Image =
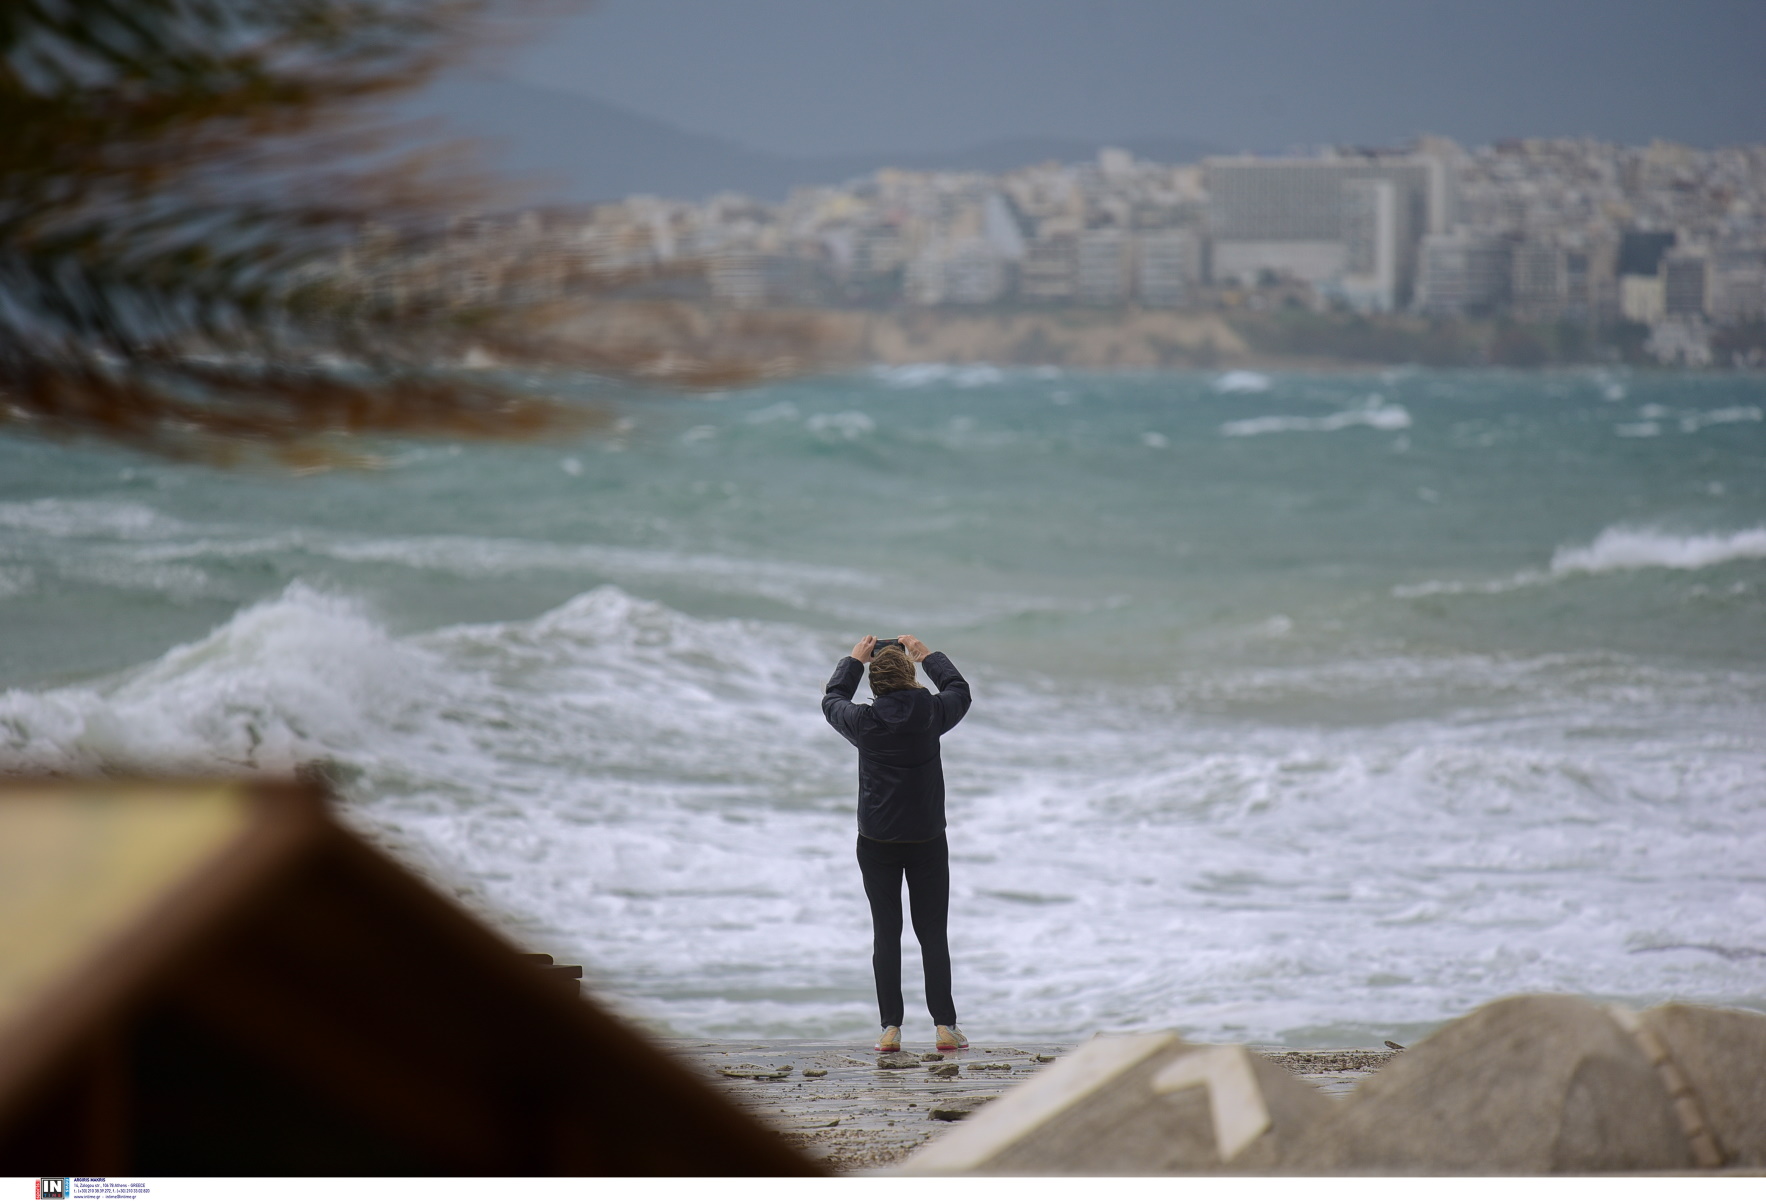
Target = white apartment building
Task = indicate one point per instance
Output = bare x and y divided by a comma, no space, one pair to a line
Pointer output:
1050,270
1376,245
1296,217
1462,273
1103,269
1167,267
1738,285
965,271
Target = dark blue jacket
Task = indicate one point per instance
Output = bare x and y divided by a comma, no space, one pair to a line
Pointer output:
900,777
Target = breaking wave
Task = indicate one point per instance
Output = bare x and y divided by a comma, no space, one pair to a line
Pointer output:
957,375
1242,381
1377,415
303,676
1209,782
658,794
1623,548
1617,548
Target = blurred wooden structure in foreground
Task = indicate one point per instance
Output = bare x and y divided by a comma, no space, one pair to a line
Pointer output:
215,978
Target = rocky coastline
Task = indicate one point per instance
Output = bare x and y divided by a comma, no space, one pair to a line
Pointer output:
1126,338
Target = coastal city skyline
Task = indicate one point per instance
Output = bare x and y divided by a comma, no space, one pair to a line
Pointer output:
1550,231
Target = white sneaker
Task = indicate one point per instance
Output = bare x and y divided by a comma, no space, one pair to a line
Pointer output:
950,1038
890,1039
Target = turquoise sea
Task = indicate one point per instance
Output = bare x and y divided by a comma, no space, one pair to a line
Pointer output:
1309,708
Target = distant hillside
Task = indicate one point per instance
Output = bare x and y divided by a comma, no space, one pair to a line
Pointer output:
576,148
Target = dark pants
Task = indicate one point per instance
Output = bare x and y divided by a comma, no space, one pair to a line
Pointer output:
927,868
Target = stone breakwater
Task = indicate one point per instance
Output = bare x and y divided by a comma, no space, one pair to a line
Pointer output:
834,1101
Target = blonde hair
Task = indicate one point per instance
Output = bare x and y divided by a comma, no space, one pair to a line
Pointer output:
892,671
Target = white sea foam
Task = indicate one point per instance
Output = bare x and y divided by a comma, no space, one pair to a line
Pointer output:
851,425
1616,548
1693,422
87,519
1242,381
1376,414
957,375
1625,548
1521,579
1651,417
298,677
178,581
1312,828
617,781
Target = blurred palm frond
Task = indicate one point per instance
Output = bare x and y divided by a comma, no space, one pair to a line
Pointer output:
178,180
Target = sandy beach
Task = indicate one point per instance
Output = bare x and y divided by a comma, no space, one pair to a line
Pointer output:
833,1102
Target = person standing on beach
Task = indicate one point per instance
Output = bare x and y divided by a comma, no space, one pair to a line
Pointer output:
901,814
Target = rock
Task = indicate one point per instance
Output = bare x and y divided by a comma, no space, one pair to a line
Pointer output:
1523,1086
1041,1058
1721,1056
1394,1046
946,1071
898,1059
932,1057
956,1111
1528,1085
814,1072
748,1071
990,1067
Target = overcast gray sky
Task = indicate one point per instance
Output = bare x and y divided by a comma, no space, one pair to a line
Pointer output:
825,76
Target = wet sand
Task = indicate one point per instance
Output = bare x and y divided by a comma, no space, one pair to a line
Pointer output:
858,1117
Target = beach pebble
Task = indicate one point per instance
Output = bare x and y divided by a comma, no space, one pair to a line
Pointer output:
898,1059
931,1057
956,1111
990,1067
815,1071
1040,1058
944,1071
749,1071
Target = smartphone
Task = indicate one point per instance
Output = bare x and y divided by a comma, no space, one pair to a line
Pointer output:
883,642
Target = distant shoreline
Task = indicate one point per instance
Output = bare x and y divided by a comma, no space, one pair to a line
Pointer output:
1146,339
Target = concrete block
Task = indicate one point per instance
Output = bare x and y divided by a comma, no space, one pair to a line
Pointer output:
1135,1104
1721,1053
1526,1085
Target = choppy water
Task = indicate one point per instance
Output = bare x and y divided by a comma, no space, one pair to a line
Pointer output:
1306,707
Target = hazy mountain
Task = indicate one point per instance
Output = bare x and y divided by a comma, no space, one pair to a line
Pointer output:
578,148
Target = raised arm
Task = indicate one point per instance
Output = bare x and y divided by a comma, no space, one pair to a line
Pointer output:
953,690
837,704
